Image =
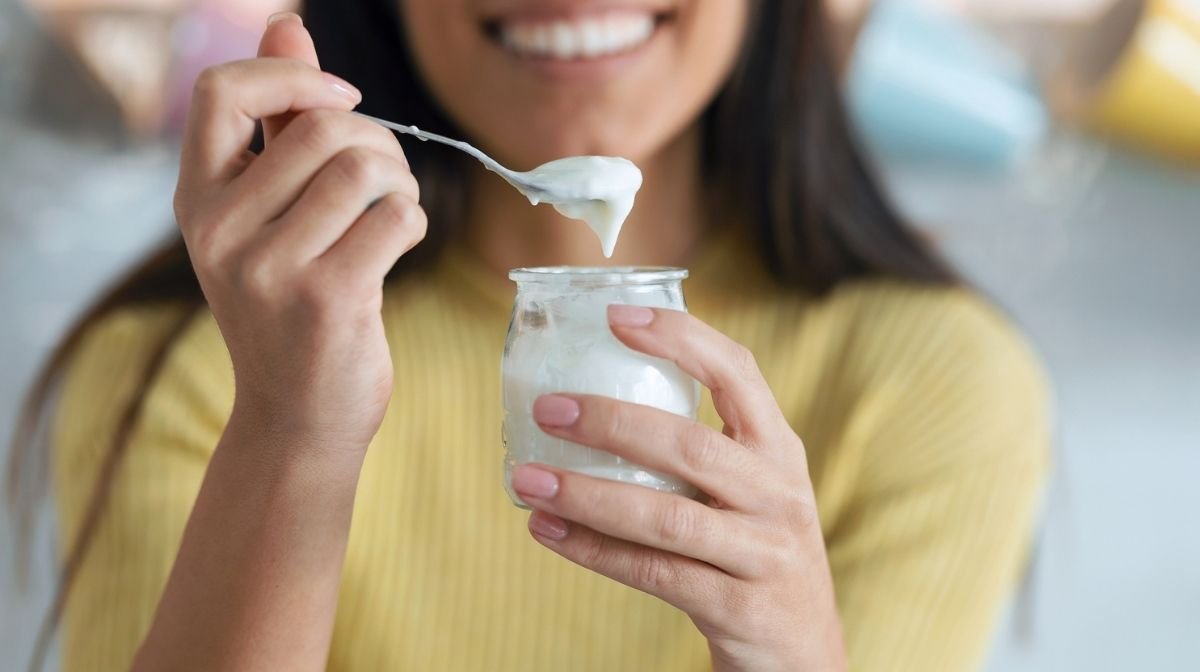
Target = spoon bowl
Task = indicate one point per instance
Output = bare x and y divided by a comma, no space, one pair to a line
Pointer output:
596,189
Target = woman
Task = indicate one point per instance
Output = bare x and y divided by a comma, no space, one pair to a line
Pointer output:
230,441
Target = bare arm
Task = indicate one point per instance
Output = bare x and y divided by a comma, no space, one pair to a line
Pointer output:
291,248
255,584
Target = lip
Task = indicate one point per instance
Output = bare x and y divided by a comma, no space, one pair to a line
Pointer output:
549,10
590,68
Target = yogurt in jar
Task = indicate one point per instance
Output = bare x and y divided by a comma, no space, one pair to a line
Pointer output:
560,341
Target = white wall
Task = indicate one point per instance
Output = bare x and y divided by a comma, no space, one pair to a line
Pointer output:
1097,255
72,214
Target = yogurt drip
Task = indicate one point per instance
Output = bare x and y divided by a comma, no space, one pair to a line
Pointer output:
598,190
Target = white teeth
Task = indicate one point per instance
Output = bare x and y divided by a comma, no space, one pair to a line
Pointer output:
565,44
594,40
586,37
541,39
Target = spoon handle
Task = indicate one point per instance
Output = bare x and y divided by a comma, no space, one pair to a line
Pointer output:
486,160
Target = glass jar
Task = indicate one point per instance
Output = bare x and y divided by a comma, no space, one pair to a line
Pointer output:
559,340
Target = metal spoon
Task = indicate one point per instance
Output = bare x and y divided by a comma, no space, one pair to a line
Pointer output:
598,190
526,183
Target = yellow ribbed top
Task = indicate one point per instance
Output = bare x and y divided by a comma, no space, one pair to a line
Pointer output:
923,411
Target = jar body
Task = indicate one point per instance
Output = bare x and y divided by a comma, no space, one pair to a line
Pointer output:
559,340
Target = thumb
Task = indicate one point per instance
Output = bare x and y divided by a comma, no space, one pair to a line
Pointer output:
285,37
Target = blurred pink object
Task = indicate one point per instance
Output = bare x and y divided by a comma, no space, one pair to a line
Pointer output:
145,54
212,32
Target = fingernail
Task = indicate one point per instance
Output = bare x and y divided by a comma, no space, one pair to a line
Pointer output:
343,87
545,525
552,410
530,481
284,16
630,316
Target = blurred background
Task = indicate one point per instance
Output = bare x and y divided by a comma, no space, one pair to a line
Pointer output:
1052,149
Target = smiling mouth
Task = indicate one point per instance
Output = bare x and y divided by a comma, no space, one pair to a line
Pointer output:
576,38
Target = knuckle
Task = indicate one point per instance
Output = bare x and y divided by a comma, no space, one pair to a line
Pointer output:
315,296
410,218
181,205
203,248
376,133
596,553
618,420
653,571
744,362
257,275
317,128
406,221
377,136
192,225
355,165
775,554
204,233
792,500
700,451
795,449
677,523
212,84
410,185
391,208
802,509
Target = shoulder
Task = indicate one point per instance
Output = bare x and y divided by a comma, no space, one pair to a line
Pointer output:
940,377
168,359
123,343
902,325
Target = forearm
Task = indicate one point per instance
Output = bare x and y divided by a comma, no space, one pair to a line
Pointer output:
255,583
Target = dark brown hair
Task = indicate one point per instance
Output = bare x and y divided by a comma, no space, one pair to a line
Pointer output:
777,147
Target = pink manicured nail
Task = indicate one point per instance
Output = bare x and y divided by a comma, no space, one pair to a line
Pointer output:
343,87
530,481
630,316
552,410
284,16
545,525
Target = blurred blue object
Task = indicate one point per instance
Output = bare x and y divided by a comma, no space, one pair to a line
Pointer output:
924,85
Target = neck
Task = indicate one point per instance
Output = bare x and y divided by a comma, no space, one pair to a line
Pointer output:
667,220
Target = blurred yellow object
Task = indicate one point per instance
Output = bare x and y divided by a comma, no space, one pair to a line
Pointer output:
1151,96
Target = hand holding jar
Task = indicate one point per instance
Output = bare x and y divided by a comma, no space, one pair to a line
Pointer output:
748,564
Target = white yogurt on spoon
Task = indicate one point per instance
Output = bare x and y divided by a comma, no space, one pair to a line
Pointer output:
598,190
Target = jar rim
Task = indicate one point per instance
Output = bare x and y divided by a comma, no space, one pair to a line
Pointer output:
598,275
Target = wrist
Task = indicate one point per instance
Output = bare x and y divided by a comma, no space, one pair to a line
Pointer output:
817,652
765,662
283,442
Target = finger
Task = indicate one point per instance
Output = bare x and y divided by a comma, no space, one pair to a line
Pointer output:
285,37
275,179
688,584
740,393
656,439
339,195
385,232
229,99
638,514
